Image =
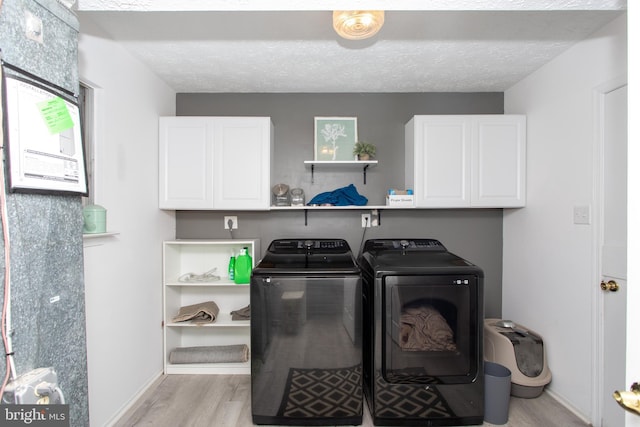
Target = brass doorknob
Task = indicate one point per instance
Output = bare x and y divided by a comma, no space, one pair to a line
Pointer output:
611,285
629,400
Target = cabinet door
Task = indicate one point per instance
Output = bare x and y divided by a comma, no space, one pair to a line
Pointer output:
441,158
242,153
185,158
498,165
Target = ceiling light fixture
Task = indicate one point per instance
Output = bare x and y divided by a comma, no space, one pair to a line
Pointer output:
357,24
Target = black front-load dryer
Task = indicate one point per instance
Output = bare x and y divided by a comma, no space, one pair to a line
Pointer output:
422,339
306,334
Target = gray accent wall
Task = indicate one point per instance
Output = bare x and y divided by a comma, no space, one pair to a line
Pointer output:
475,234
45,231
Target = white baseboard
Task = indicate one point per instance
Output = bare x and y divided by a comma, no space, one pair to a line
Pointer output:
133,400
567,405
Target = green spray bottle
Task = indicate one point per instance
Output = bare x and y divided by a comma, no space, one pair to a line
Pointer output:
232,267
242,274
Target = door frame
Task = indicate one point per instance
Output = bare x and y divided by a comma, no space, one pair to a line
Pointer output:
597,311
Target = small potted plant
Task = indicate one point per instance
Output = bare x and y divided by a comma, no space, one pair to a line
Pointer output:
364,150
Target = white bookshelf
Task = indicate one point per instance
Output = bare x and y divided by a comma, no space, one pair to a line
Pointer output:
199,256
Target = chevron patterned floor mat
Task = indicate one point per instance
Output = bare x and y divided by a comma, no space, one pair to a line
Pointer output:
323,393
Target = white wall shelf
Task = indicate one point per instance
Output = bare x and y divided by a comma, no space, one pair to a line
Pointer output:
96,235
328,164
306,209
350,207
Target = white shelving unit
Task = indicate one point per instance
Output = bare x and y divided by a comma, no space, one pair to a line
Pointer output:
199,256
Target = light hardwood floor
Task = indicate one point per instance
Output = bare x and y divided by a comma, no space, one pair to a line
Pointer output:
225,401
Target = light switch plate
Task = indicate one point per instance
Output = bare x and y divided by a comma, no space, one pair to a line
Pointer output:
582,215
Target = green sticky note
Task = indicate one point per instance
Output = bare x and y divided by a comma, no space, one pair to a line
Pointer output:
56,115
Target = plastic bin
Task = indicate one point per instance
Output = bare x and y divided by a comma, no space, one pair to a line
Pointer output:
497,393
520,350
95,219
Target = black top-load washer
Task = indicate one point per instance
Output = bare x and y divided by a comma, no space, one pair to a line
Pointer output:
306,336
422,340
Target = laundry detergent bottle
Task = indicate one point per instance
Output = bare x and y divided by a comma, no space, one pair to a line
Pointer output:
242,273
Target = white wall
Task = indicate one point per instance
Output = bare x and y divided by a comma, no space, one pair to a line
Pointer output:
123,274
548,269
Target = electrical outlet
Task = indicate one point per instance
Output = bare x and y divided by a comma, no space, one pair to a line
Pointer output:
375,218
234,222
33,27
24,389
366,220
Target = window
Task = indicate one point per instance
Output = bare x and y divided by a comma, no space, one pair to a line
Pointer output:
86,103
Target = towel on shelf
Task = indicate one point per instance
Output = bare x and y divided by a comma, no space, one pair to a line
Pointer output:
205,312
241,314
424,329
344,196
238,353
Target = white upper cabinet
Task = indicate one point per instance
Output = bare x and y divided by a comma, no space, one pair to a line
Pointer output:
242,165
466,160
215,162
498,167
186,160
437,156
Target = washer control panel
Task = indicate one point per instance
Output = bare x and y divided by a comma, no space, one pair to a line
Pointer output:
309,245
404,244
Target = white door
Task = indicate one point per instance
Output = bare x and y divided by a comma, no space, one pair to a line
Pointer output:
613,253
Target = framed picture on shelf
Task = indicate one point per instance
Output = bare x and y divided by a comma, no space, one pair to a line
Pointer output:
334,138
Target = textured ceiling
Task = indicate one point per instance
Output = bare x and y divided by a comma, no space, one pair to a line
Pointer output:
241,46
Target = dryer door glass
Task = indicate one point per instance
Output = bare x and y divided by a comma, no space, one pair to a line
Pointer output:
428,329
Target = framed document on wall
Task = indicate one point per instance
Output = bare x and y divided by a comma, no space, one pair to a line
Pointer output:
43,138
